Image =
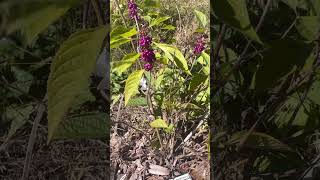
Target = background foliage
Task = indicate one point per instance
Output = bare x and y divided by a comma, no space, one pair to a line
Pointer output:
265,118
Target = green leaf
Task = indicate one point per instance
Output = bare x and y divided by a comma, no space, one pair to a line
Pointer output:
70,70
130,33
23,81
147,18
308,27
121,66
118,42
138,101
314,94
169,129
132,85
276,162
171,51
84,126
83,96
204,59
159,78
202,18
228,55
115,98
158,20
121,35
314,6
291,3
197,79
18,116
258,140
280,59
152,3
169,27
235,14
159,123
34,16
284,115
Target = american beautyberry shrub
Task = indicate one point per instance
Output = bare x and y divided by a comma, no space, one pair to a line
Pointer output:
154,55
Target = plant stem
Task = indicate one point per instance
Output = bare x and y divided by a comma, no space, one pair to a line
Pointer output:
97,11
159,138
149,99
126,25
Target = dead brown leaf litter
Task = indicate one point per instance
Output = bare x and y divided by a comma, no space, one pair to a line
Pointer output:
135,151
60,160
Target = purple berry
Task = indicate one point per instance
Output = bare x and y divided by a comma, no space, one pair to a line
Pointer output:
148,66
148,55
199,46
133,9
145,41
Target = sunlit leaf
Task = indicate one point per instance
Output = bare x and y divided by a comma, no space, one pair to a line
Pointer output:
159,123
202,18
158,20
121,66
171,51
132,85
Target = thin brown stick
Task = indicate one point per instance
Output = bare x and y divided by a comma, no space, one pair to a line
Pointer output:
118,113
32,139
97,11
85,14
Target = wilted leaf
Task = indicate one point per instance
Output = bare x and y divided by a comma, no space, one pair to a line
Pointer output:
158,170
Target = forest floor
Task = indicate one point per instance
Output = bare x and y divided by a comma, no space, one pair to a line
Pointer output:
59,160
135,153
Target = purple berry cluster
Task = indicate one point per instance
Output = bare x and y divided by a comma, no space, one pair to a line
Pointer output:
145,41
133,9
199,45
147,54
